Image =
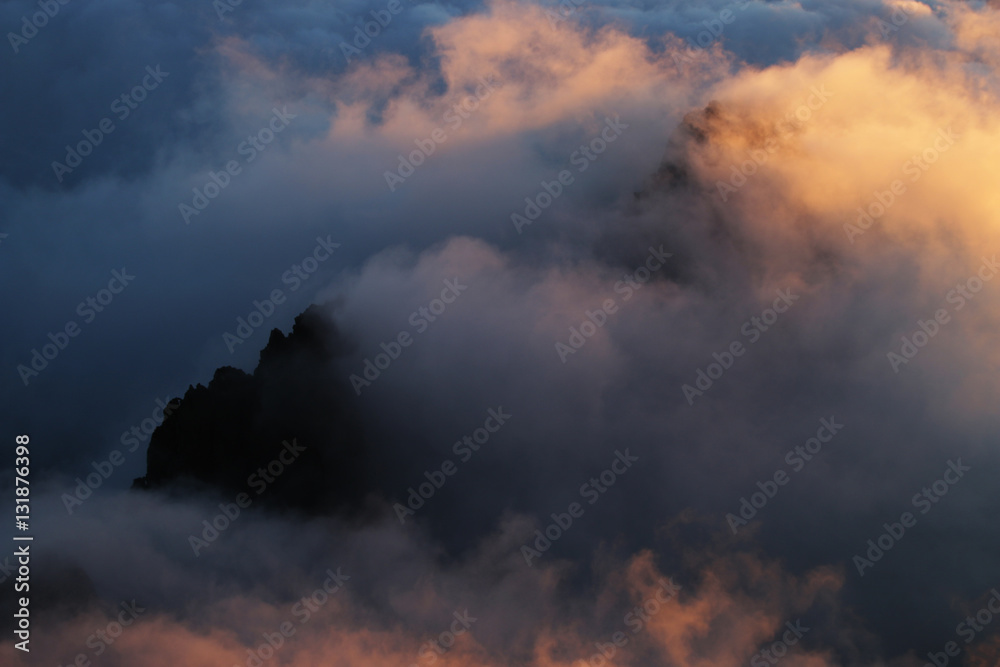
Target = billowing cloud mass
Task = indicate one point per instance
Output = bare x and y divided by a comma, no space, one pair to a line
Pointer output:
652,334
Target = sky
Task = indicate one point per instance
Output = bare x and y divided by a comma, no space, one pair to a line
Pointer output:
666,330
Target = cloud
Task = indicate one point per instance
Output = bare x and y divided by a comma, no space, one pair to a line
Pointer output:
722,608
746,161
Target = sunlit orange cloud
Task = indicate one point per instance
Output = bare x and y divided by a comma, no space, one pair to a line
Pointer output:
790,178
976,34
557,70
829,160
887,111
548,72
736,605
885,108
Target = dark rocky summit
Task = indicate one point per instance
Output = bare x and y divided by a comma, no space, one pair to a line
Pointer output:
245,432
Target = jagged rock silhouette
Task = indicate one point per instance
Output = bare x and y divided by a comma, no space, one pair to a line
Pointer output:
220,437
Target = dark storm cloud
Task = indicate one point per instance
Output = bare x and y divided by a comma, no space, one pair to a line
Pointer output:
72,74
73,71
567,422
